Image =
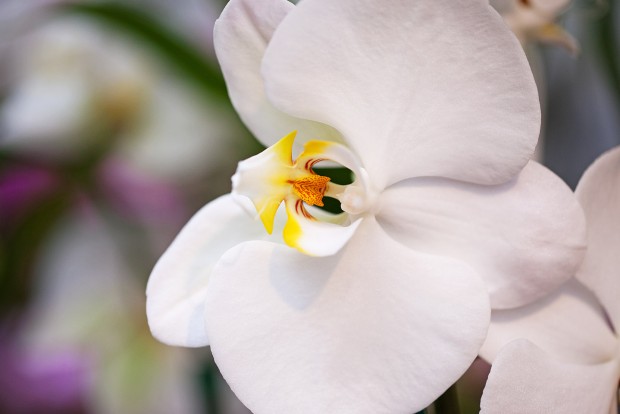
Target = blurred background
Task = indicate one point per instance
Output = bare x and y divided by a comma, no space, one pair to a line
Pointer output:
115,127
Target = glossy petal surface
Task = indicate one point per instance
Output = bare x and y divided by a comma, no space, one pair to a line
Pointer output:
569,324
524,379
178,284
599,193
314,237
525,237
241,36
438,87
377,328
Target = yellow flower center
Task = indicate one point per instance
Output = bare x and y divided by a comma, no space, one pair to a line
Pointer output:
311,189
273,177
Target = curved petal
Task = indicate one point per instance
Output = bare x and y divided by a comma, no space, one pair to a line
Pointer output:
525,237
410,82
241,35
178,284
314,237
524,379
375,328
569,324
599,194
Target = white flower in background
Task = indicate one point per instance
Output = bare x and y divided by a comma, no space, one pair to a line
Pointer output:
76,87
568,360
437,124
88,301
535,20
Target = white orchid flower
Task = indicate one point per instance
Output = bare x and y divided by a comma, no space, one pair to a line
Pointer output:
568,358
432,105
535,20
76,84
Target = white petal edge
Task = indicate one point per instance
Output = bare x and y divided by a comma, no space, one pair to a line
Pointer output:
569,324
376,328
314,237
598,192
178,283
524,379
525,238
410,82
241,35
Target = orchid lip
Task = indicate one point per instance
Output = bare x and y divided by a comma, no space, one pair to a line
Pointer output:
310,188
272,177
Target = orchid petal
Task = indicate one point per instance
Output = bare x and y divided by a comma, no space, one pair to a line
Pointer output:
525,237
178,284
376,328
241,35
409,82
314,237
599,194
569,324
264,179
524,379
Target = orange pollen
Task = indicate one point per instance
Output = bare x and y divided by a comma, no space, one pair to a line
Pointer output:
311,189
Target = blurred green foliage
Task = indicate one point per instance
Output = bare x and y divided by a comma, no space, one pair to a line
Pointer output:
607,36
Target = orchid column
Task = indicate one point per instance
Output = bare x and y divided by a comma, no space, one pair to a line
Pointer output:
432,106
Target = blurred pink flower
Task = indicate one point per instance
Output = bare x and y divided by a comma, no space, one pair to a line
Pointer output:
34,384
22,187
88,298
139,196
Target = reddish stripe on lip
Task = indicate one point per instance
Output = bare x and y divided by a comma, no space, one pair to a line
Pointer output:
299,209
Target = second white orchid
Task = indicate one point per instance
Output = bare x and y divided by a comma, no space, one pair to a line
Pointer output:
562,354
